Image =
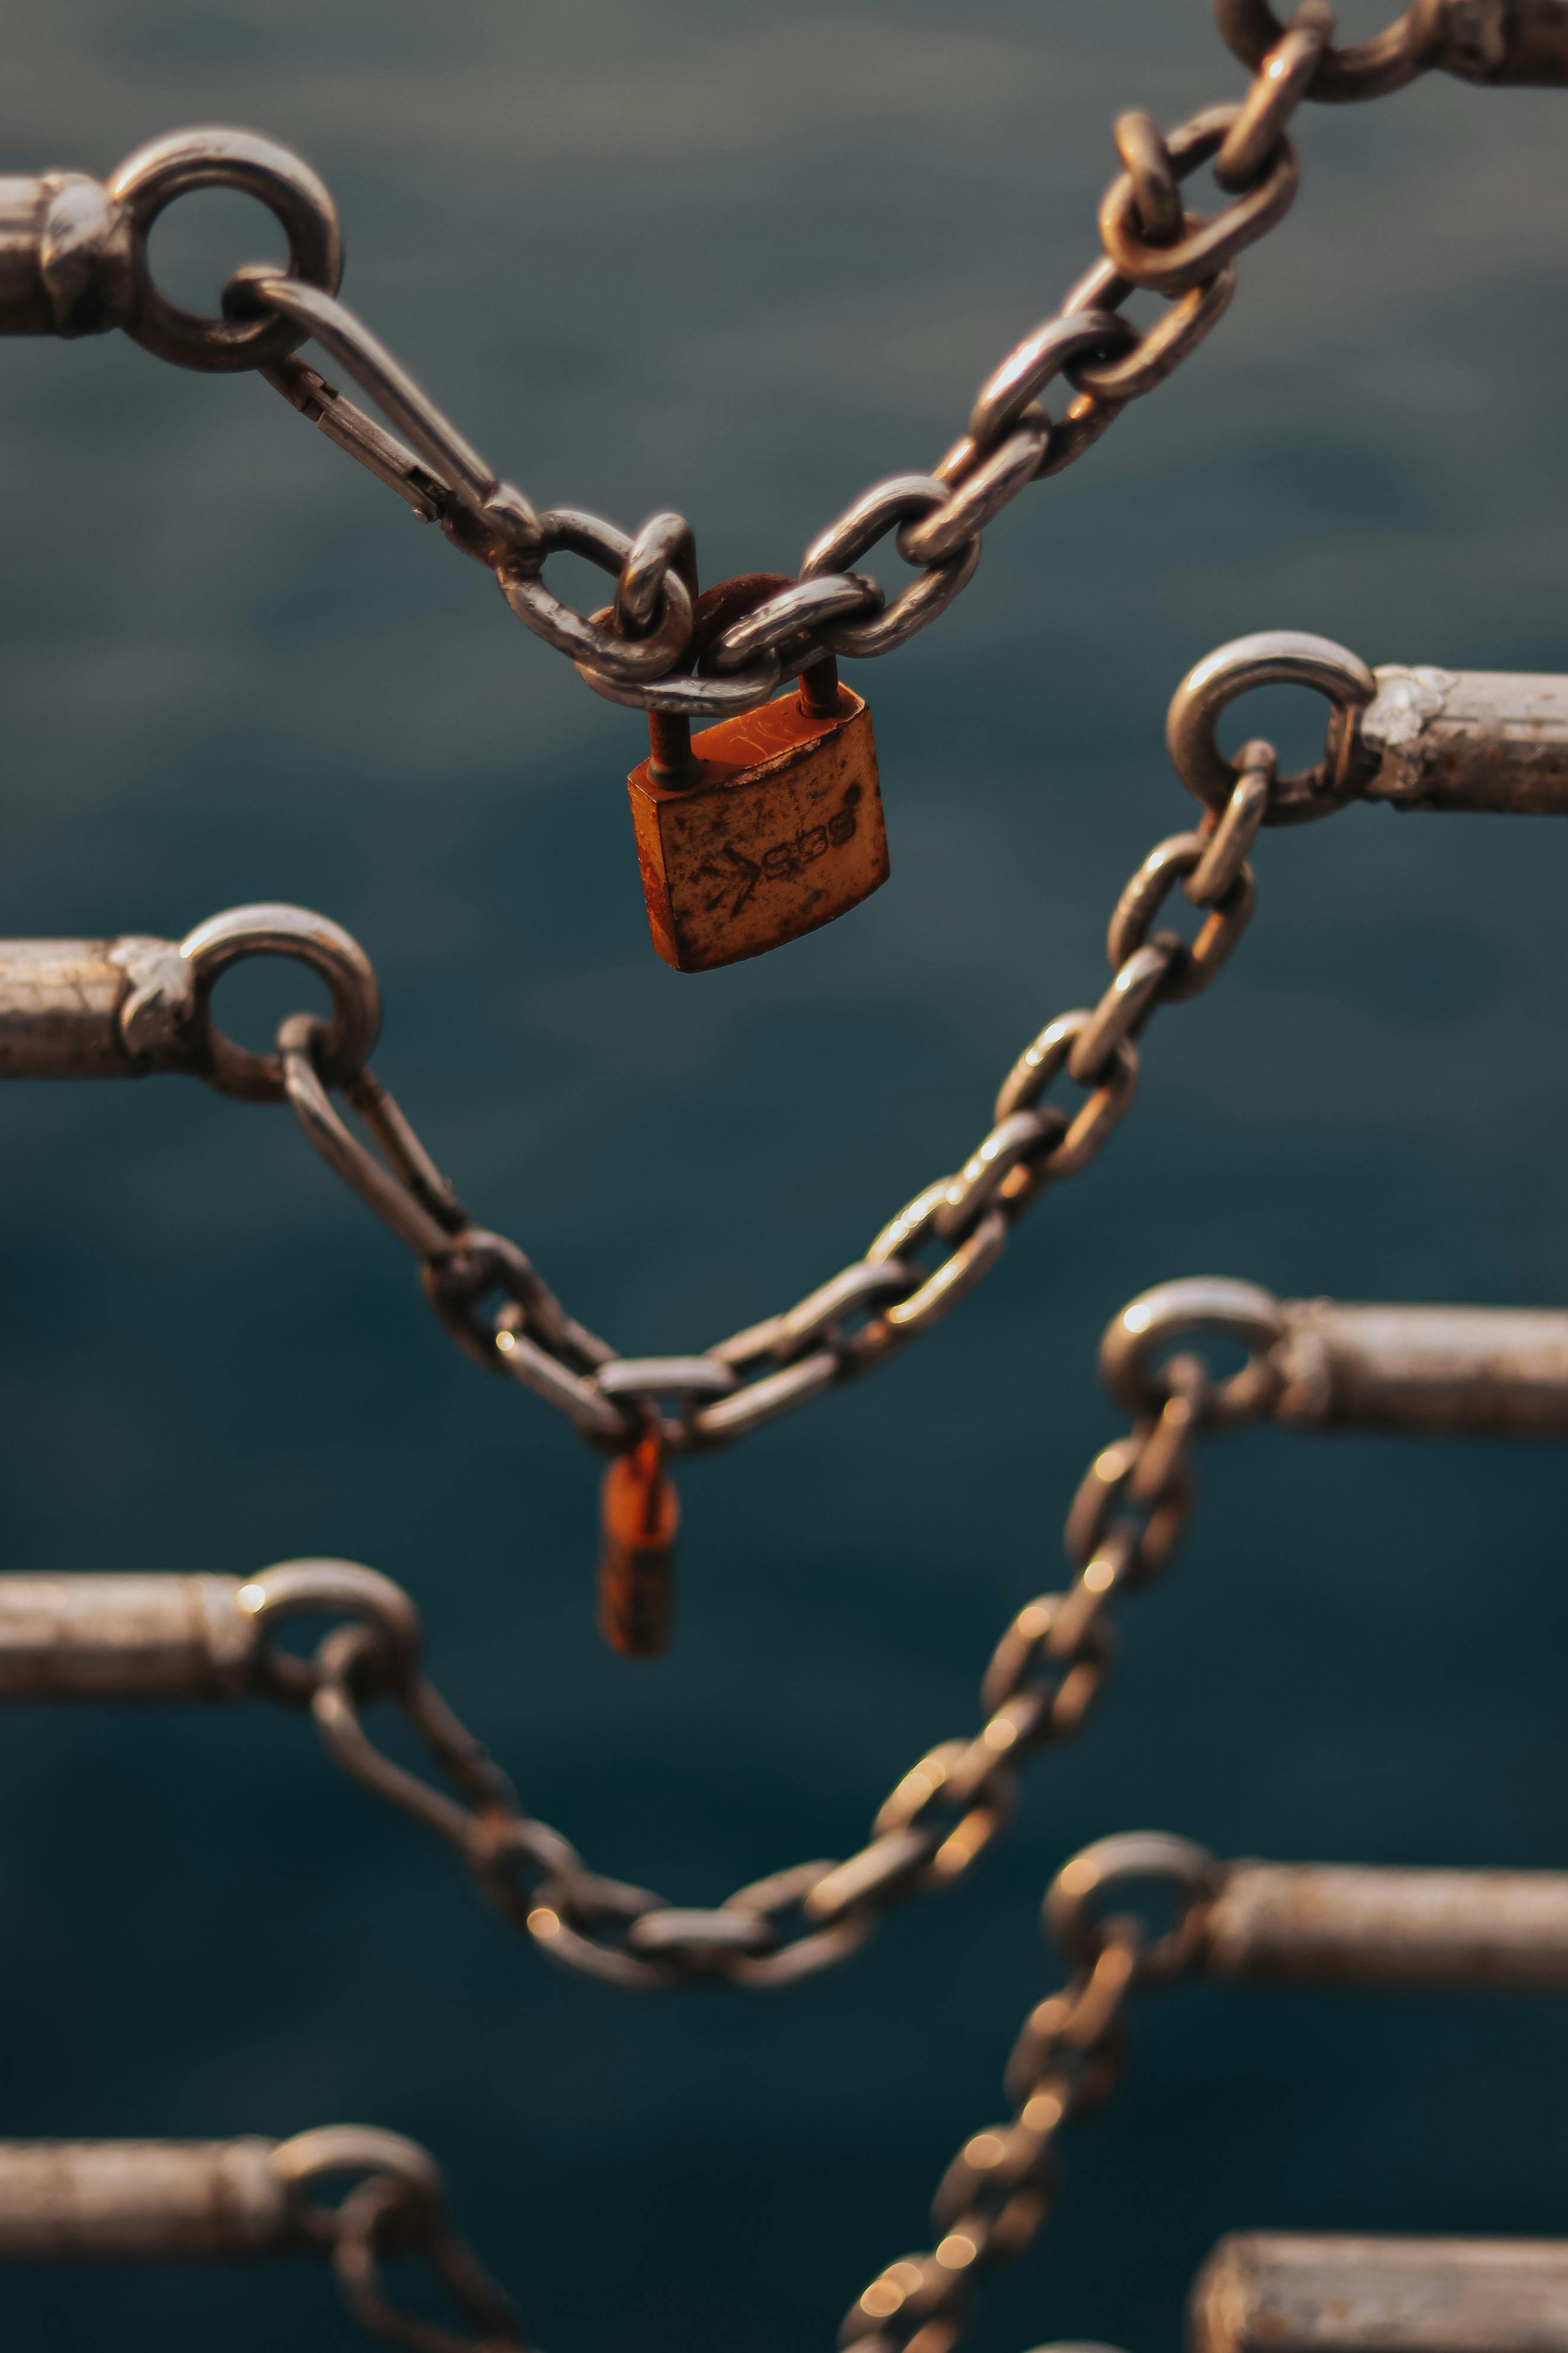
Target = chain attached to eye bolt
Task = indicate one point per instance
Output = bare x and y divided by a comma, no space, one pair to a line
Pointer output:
856,1320
1044,1676
85,250
361,2198
73,260
1412,737
156,1014
1067,2062
355,2196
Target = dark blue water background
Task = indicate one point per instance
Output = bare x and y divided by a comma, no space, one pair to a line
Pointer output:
741,259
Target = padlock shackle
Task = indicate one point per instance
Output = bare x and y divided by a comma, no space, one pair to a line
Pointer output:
715,610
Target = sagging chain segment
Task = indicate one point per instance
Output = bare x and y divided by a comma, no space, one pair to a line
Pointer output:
1139,1910
73,260
925,1259
1307,1364
217,1638
78,258
936,1822
1413,737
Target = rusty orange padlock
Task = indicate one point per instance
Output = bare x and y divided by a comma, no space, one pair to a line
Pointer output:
761,828
641,1511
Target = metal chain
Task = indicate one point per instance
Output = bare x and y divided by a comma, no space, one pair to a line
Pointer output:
861,1316
395,2205
1067,2062
373,2223
639,648
998,2190
360,2196
1133,1503
1044,1674
633,651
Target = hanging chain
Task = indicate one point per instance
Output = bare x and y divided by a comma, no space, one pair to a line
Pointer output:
1125,1522
861,1316
633,650
86,247
1067,2062
998,2192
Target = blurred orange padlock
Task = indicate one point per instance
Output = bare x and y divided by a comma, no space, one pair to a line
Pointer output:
641,1511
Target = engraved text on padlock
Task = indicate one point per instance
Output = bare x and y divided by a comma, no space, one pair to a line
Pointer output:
778,830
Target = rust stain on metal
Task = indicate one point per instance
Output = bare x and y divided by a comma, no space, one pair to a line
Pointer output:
779,830
641,1513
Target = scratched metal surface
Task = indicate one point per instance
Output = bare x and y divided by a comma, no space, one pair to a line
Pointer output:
739,259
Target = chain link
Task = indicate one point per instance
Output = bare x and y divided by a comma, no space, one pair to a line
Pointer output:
639,648
1371,68
373,2223
1011,440
998,2190
1066,2062
1134,1501
1043,1678
937,1248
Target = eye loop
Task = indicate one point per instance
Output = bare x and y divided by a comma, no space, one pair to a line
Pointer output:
1272,657
335,1588
310,939
1173,1312
1086,1890
150,180
331,2152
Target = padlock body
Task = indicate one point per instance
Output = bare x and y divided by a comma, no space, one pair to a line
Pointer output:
634,1596
779,830
640,1511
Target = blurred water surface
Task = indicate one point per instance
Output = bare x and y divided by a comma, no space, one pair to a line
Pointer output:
739,259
